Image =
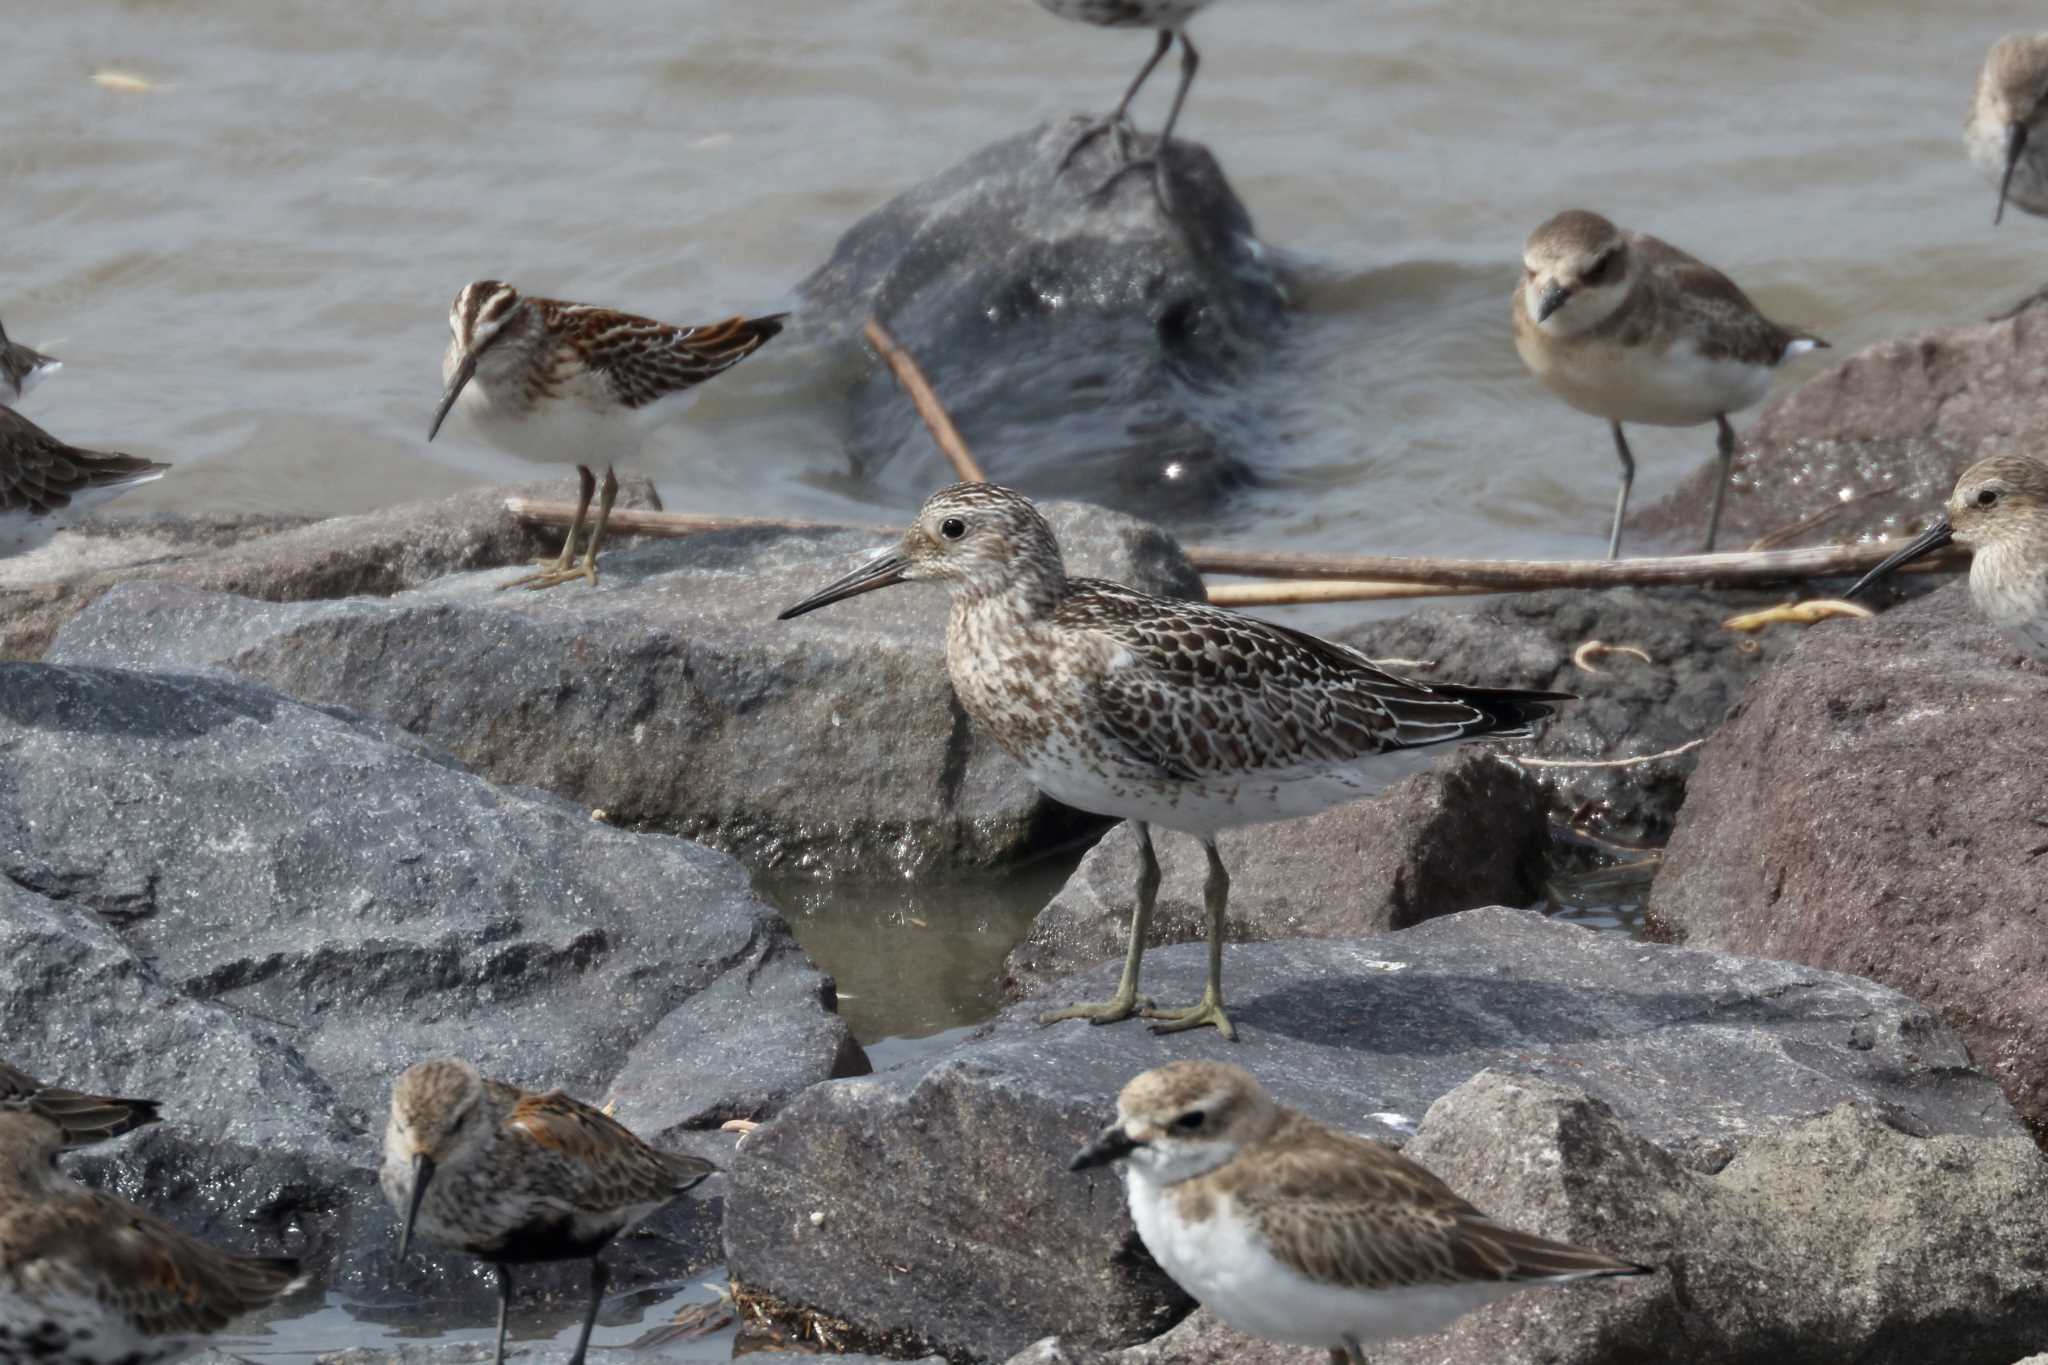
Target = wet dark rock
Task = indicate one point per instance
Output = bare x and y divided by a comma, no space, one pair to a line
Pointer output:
479,1353
1873,446
1876,805
929,1204
1469,831
260,911
670,697
1078,341
280,561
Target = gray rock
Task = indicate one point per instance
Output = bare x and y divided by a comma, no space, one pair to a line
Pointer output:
1383,863
669,696
260,911
930,1205
1079,342
1876,805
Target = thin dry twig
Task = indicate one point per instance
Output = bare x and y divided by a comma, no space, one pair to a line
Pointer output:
936,419
1684,748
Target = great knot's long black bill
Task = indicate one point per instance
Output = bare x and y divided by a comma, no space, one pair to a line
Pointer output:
1555,296
1111,1144
879,572
422,1172
2015,143
1934,538
464,372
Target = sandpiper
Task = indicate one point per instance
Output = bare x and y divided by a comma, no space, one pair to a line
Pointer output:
46,485
21,369
2010,106
513,1177
1630,328
1158,711
1170,19
88,1279
1999,511
1295,1232
574,383
84,1119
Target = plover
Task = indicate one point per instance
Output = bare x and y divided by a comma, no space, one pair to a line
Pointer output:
1999,511
2010,106
513,1177
1170,19
21,369
1295,1232
46,485
1630,328
84,1119
1157,711
572,383
88,1279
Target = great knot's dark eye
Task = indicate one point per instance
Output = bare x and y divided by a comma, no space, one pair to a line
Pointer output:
952,528
1191,1121
1603,269
1987,497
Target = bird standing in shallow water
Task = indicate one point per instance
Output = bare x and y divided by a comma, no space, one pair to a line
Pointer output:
513,1177
1170,19
570,382
1292,1231
2008,110
1158,711
1630,328
1999,511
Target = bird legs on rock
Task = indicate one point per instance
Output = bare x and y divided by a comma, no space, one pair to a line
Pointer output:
1628,479
1347,1354
1162,149
1126,1001
564,568
1724,447
1119,122
504,1307
1216,900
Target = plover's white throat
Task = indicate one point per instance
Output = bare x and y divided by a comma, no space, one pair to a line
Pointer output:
1295,1232
1169,18
21,369
1630,328
2007,114
1999,511
88,1279
571,383
47,485
513,1177
1157,711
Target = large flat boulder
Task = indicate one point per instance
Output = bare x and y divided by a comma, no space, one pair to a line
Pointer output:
930,1204
669,696
1876,805
260,911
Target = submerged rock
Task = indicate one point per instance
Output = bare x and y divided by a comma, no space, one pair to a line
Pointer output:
1876,805
1077,339
259,912
670,697
930,1204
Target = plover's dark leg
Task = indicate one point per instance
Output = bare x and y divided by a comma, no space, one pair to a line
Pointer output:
599,1278
1216,899
1119,121
1724,447
504,1308
1628,478
1162,150
1350,1353
1127,1001
552,571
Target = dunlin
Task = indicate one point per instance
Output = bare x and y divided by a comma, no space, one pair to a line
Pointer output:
1999,511
46,485
1630,328
21,369
84,1119
571,383
1157,711
2010,106
513,1177
88,1279
1295,1232
1169,18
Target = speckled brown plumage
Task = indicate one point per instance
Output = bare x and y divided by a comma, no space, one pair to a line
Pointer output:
41,475
84,1119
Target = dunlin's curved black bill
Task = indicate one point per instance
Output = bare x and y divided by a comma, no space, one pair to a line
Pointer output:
422,1172
1935,537
879,572
2015,144
1111,1144
464,372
